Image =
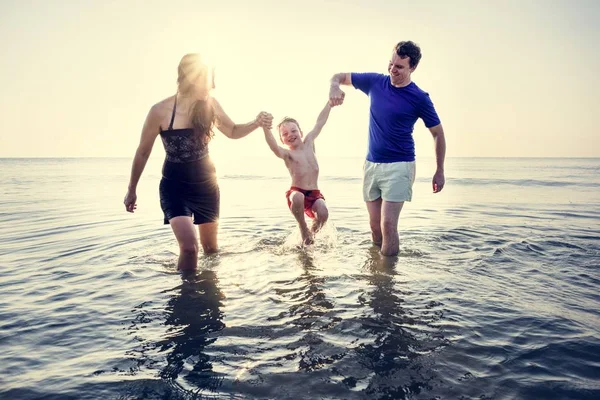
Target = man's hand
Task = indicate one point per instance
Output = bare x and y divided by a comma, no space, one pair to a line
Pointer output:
130,201
336,95
438,181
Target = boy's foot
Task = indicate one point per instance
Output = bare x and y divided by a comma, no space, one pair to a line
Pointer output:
315,227
307,237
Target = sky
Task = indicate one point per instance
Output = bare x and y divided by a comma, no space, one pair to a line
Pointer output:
508,78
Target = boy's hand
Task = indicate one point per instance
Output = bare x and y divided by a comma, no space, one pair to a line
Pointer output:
264,120
336,96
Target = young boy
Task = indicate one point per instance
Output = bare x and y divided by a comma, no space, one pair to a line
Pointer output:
304,196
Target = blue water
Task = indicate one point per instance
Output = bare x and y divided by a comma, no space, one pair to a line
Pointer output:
495,293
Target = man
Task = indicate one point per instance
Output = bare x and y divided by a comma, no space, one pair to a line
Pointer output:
389,171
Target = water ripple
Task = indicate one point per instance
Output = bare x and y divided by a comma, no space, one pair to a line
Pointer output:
491,296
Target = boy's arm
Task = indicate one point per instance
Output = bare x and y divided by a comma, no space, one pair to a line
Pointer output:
321,120
278,150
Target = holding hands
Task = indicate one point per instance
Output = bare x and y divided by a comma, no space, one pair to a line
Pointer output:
336,96
264,120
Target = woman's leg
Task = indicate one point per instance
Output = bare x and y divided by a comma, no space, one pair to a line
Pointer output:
208,237
184,231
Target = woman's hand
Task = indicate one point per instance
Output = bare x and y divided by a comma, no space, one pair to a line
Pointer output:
264,120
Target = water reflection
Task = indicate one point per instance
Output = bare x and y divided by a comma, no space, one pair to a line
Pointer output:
314,303
193,314
403,332
192,317
310,314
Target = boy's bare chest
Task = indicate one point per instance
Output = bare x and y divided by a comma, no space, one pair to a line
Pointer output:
303,159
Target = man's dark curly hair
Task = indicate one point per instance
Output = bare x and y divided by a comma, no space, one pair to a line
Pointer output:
409,49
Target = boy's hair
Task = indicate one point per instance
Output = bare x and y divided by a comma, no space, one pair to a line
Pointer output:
409,49
286,120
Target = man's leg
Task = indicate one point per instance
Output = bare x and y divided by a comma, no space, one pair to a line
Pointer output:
374,208
390,213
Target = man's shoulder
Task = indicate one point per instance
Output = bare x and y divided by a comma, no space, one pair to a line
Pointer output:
368,75
416,89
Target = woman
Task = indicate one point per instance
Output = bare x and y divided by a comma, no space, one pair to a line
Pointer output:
188,188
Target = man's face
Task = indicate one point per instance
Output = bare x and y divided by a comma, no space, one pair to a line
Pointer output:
290,134
400,70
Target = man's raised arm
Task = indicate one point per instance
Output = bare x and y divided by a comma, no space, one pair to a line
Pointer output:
336,95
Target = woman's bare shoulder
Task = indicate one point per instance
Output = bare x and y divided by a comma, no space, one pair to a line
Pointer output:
160,113
165,105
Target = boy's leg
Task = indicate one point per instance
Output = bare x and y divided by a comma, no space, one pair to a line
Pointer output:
319,208
297,208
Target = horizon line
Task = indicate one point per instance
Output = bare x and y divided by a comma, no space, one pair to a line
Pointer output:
268,156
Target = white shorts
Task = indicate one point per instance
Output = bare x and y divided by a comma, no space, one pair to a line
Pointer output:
390,181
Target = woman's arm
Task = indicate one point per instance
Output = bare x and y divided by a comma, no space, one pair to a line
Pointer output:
238,131
149,133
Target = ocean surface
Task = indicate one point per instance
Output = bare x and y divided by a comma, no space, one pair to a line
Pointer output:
495,293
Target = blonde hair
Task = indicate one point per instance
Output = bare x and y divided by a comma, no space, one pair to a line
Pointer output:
190,71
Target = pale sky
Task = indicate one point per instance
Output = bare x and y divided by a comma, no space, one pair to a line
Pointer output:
508,78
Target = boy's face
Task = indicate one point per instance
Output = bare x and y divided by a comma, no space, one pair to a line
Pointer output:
290,134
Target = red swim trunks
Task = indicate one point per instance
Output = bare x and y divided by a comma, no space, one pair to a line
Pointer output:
310,196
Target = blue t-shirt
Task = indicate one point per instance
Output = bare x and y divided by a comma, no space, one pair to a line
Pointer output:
393,114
